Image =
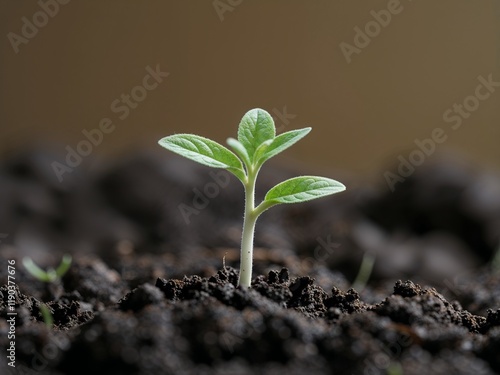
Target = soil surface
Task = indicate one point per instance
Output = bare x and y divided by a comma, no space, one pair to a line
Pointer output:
155,246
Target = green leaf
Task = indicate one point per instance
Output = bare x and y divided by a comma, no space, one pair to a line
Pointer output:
36,271
301,189
64,266
256,127
239,149
262,149
282,142
204,151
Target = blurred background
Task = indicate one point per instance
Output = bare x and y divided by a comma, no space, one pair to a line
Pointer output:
387,86
403,97
366,105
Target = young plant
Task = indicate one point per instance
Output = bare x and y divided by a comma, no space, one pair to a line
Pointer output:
49,277
51,274
257,142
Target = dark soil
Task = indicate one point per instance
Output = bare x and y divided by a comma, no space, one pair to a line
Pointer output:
150,293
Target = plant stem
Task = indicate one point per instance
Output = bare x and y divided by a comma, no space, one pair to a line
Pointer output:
364,272
247,236
47,315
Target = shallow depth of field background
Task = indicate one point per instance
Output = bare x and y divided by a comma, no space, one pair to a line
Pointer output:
274,55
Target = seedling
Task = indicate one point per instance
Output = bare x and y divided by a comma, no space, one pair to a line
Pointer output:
365,270
51,274
257,142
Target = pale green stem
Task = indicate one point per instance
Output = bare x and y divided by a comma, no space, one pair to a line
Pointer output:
247,237
251,215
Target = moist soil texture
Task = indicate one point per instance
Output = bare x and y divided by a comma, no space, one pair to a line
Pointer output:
153,284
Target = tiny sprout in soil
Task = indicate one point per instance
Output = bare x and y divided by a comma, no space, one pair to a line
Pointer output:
51,274
257,142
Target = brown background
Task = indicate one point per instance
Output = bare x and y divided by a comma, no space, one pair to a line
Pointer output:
268,54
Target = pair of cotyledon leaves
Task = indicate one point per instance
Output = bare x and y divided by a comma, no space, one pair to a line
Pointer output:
257,142
51,274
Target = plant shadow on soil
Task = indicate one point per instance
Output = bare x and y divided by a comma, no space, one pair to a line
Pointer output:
149,293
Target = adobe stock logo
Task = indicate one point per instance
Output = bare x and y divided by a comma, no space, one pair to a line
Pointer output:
223,6
456,115
325,249
363,36
122,107
40,19
202,198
